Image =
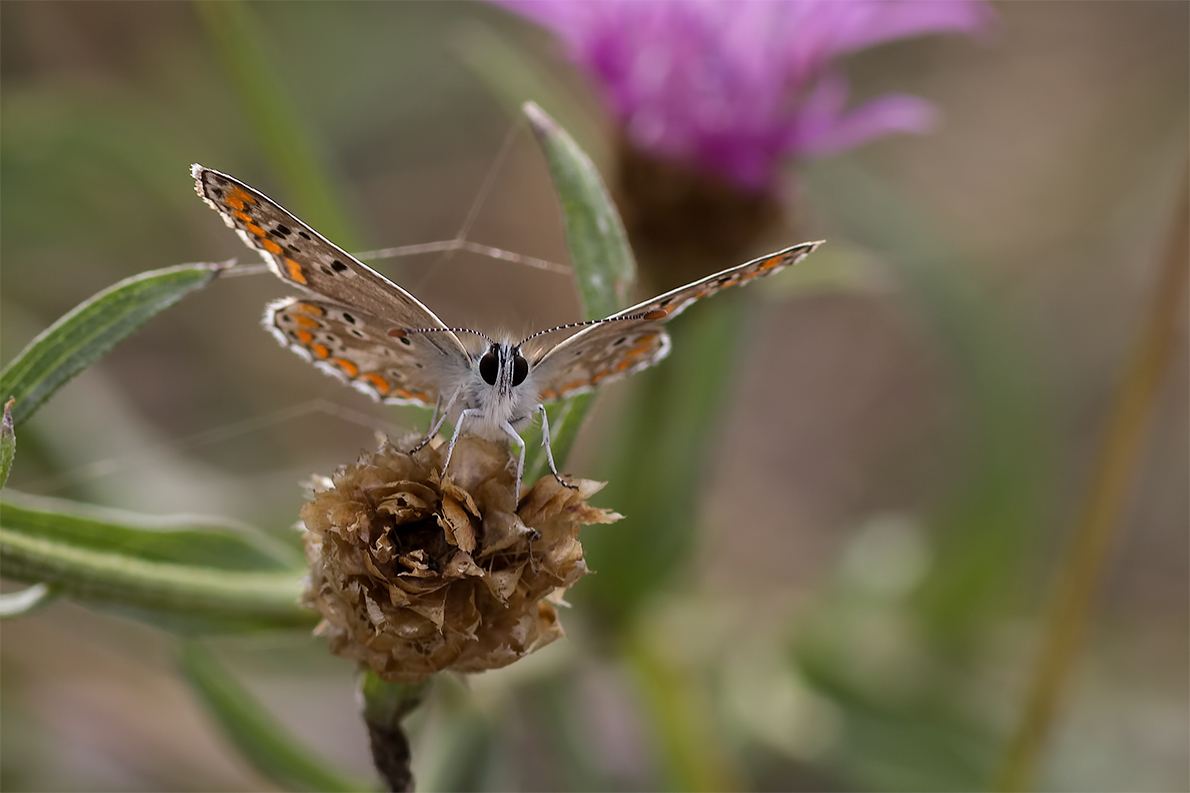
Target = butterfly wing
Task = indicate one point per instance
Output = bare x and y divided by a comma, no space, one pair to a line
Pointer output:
355,347
612,350
344,330
300,256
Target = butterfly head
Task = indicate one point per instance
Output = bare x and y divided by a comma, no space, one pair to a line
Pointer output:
503,367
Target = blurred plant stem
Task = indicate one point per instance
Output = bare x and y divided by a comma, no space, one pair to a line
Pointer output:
280,130
1106,495
691,748
656,468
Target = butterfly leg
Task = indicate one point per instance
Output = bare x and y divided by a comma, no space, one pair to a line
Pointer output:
549,452
466,414
520,466
436,423
434,418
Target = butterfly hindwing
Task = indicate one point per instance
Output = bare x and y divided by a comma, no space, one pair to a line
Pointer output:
611,350
355,347
304,258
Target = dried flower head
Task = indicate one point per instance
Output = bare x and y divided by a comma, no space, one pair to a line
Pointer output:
414,574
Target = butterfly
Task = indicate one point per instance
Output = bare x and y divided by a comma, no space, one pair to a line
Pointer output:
357,325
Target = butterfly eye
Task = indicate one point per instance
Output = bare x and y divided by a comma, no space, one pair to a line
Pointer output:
520,369
489,367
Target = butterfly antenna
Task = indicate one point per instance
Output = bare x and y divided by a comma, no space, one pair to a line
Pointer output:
400,333
652,316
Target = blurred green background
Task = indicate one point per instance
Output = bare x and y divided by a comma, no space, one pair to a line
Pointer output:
906,439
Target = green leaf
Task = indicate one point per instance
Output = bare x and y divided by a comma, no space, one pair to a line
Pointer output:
260,739
26,601
189,580
8,443
93,328
603,264
599,251
196,540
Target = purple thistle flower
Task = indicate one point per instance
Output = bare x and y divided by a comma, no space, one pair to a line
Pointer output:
735,87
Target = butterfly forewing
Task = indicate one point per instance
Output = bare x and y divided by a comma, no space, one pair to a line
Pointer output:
612,350
304,258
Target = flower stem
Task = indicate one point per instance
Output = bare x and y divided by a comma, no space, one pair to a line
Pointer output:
1097,523
385,706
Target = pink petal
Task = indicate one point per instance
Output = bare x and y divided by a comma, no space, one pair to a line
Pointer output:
881,116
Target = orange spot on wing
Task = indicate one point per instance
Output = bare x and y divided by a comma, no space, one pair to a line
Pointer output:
308,308
233,202
624,364
403,394
347,366
304,336
548,394
641,348
572,386
295,271
255,229
239,193
301,320
381,384
319,350
771,262
244,216
270,246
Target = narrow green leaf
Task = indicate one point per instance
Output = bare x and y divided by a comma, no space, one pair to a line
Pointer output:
26,601
195,540
8,443
599,251
184,579
93,328
260,739
603,264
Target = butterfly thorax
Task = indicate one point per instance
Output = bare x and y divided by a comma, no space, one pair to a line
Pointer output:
500,386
